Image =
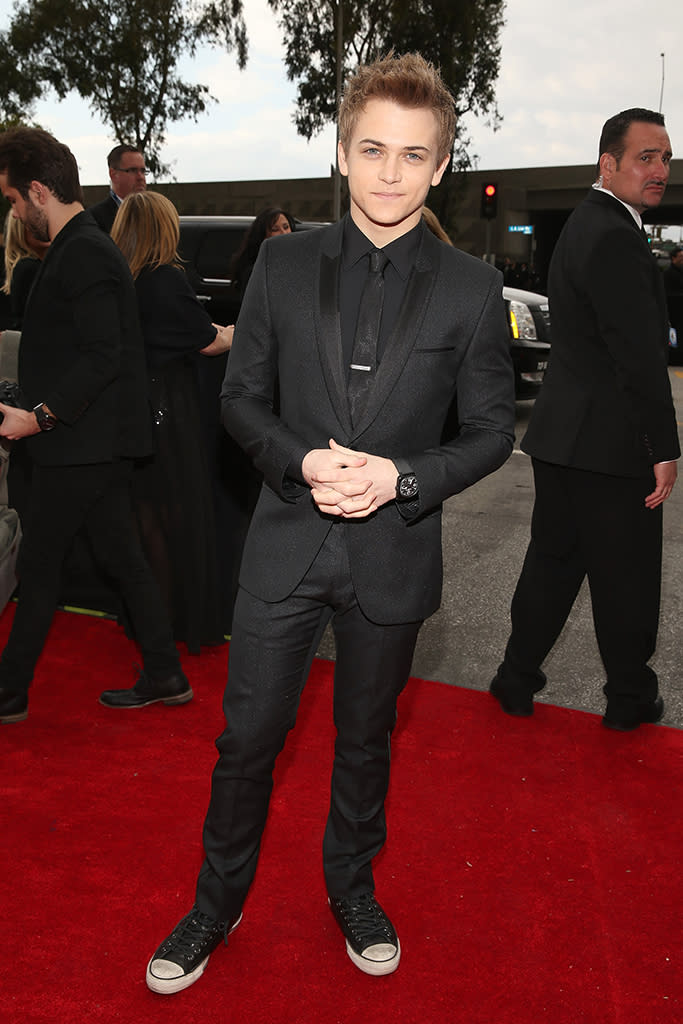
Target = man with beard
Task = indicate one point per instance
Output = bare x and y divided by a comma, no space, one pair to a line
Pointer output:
82,373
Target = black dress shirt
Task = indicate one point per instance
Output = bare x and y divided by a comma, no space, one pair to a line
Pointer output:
401,254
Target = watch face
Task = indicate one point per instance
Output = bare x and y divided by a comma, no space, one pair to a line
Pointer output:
407,486
45,421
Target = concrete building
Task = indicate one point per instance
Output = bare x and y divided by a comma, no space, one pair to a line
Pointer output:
532,205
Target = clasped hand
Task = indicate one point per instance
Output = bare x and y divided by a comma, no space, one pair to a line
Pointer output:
17,423
347,483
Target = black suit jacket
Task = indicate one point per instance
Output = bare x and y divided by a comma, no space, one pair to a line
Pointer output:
451,340
606,403
105,212
82,353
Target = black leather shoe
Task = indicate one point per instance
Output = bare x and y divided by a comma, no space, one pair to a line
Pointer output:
174,689
181,958
13,706
628,718
513,702
371,941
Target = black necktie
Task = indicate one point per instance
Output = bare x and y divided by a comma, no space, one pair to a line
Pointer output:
364,355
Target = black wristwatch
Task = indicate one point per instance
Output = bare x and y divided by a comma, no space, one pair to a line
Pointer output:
45,420
406,484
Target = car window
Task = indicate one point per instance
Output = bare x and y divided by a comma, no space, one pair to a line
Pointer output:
215,251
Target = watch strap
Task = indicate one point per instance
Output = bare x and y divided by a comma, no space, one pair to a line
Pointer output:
46,421
402,466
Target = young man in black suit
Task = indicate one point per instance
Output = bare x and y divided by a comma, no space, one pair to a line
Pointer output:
347,528
82,373
127,174
603,436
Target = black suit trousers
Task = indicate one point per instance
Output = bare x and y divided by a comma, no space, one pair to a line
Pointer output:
271,651
64,499
594,525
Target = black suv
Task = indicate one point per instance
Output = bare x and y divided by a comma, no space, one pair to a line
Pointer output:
207,245
529,320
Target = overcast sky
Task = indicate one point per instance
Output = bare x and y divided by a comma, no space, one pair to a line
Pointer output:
565,68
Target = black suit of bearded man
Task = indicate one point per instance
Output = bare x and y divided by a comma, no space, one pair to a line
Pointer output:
604,417
450,339
82,356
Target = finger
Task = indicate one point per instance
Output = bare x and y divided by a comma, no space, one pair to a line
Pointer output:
361,514
357,457
344,488
327,497
352,505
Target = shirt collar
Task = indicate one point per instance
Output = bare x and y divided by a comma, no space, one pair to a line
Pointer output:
631,209
402,252
117,199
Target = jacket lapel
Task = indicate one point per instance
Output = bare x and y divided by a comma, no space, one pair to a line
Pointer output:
329,329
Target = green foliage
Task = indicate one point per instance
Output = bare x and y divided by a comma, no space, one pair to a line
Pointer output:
461,37
122,57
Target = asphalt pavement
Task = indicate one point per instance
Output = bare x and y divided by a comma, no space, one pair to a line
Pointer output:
486,531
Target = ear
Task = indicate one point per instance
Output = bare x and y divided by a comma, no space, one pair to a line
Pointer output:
608,166
438,173
341,158
40,192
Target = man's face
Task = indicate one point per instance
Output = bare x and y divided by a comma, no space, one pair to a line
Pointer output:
640,177
29,211
391,162
129,176
677,260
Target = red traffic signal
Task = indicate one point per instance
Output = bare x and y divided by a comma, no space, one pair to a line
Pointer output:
489,200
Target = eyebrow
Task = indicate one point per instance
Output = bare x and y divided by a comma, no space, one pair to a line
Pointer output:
376,142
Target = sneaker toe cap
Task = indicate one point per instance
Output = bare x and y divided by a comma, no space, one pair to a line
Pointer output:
380,952
165,970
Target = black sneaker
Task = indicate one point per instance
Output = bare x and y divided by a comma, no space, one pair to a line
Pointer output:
371,941
181,958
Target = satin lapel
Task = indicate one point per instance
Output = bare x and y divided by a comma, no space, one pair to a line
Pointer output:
329,330
405,333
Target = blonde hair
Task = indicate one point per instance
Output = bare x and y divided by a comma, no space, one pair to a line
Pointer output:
16,248
434,225
410,81
147,231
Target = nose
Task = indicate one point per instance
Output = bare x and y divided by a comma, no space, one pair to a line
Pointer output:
663,169
390,170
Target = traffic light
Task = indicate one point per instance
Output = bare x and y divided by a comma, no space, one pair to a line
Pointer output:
489,200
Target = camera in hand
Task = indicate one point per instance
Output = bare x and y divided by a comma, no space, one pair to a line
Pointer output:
11,394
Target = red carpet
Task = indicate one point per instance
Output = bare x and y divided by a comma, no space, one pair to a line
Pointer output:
533,867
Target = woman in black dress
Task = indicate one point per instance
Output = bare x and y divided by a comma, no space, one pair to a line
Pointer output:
172,491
